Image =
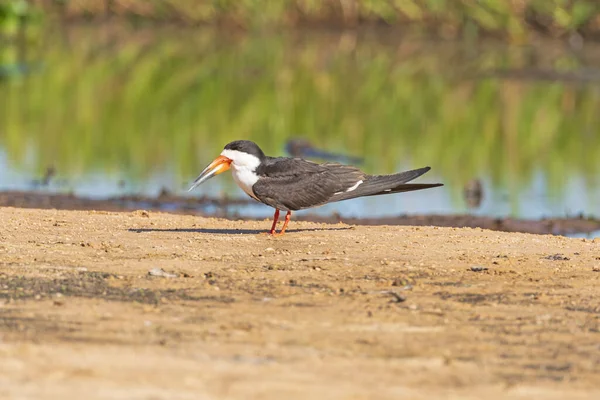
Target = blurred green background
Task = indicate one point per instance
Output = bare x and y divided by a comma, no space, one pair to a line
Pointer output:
104,92
515,19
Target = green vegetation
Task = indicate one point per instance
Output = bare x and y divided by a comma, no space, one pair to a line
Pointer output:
140,103
14,14
513,19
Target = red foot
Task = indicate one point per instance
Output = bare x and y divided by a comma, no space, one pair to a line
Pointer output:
285,224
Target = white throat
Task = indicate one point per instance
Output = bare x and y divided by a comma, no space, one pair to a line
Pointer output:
243,167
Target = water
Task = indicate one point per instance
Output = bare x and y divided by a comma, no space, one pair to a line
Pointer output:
118,111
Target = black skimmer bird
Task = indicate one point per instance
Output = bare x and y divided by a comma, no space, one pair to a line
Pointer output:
291,184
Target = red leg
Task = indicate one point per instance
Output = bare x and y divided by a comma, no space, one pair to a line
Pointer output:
275,219
285,224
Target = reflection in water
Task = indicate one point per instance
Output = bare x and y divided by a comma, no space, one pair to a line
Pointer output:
113,106
473,193
302,148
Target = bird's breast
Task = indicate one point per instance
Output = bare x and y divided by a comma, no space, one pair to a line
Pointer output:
245,179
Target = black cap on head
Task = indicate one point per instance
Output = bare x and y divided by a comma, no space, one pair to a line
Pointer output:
246,146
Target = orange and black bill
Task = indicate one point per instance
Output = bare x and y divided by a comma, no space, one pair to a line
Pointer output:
220,164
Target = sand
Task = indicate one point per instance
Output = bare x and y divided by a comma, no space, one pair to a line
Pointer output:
326,311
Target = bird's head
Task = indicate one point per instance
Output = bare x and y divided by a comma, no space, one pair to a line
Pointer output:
239,155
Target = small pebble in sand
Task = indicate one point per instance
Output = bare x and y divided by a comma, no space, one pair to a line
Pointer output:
478,268
161,272
141,213
396,298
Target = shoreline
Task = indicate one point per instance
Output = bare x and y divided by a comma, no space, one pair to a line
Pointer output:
173,204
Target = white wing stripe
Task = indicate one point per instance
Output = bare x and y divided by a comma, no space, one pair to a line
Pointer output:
357,184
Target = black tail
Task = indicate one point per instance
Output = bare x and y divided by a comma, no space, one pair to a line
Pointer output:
375,185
